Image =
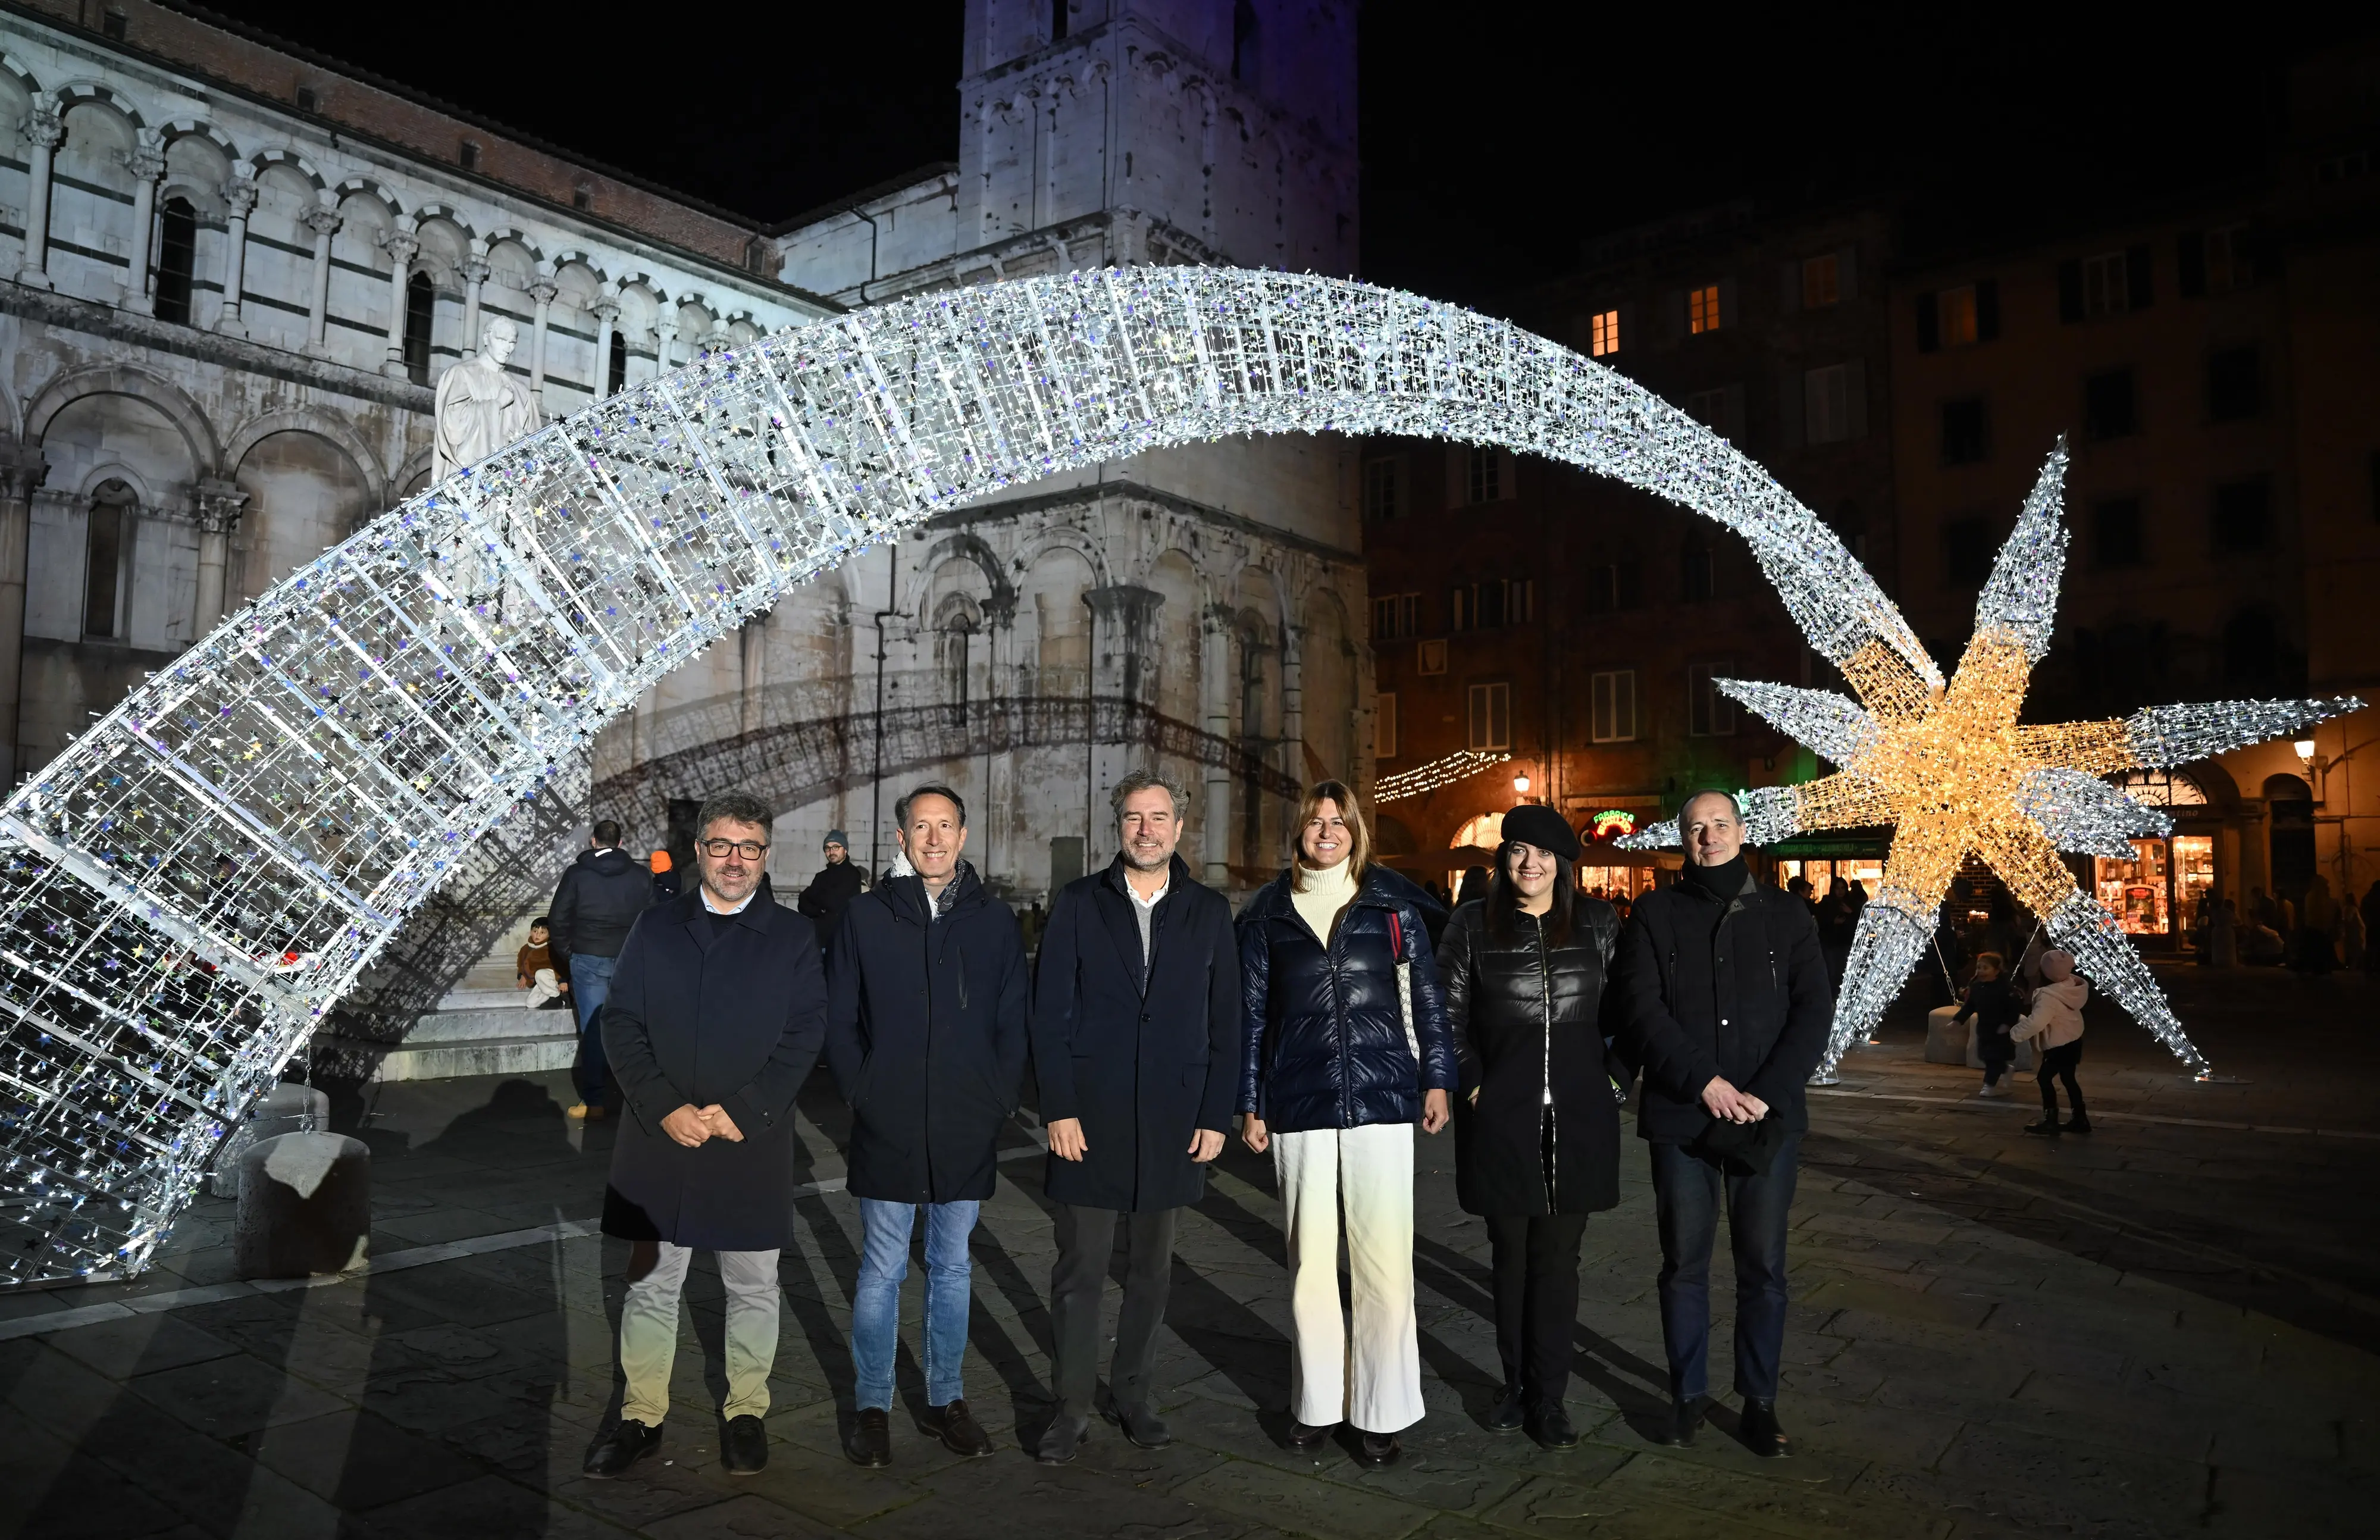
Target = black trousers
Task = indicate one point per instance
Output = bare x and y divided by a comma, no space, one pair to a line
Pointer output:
1086,1245
1689,1191
2058,1064
1537,1300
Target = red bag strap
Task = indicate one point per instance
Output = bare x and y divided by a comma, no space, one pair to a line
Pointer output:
1396,937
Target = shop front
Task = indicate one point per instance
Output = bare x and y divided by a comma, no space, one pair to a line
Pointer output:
2159,893
1848,856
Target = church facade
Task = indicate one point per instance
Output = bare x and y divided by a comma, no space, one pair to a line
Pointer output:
233,277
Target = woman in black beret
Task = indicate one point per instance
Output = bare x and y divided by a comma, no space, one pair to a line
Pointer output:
1536,1119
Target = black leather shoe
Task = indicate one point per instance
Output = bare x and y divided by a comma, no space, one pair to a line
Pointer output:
1141,1425
1306,1436
870,1443
1063,1441
1381,1448
621,1446
1550,1425
1509,1412
961,1434
1685,1418
1760,1433
744,1450
2046,1127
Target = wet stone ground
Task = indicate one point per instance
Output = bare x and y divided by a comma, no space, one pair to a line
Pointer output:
2167,1329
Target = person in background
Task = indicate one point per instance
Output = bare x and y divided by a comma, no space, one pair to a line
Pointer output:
1475,886
1799,888
926,1032
1991,1000
836,884
2053,1024
1835,919
2353,937
1537,1128
666,882
1333,1076
533,967
714,1019
596,901
1722,999
1135,1028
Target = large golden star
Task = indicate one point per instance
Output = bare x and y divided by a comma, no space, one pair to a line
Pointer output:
1952,772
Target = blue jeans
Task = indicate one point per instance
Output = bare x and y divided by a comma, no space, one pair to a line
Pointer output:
590,986
876,1307
1687,1193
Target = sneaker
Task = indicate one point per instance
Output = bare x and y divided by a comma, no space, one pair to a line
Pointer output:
1993,1091
621,1446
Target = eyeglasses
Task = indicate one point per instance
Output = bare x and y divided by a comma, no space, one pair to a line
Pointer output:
751,849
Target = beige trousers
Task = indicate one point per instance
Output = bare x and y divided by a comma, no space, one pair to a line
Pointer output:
1361,1366
648,1331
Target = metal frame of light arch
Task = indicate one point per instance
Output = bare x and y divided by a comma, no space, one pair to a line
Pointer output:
191,885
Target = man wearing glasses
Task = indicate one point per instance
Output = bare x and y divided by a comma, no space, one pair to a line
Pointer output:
714,1020
925,985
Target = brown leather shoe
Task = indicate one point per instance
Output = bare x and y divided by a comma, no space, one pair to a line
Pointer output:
1306,1436
961,1434
870,1443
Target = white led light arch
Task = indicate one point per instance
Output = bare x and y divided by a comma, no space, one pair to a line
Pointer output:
189,886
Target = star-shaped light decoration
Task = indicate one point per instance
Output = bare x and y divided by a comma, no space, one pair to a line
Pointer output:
1954,773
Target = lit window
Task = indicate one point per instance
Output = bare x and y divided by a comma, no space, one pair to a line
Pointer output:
2105,291
1491,716
1702,310
1956,308
1603,333
1612,706
1822,282
1710,714
1384,726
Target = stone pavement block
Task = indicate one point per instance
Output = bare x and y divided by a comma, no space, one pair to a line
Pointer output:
827,1489
2254,1505
451,1295
51,1491
1560,1509
1857,1432
208,1480
1785,1496
995,1499
2016,1476
490,1506
142,1345
431,1400
680,1479
357,1460
226,1396
1869,1296
2179,1427
749,1514
1325,1508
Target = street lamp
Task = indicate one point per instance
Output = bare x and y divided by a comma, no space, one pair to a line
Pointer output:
1520,785
2305,752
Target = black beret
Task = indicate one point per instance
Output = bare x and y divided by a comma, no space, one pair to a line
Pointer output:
1534,823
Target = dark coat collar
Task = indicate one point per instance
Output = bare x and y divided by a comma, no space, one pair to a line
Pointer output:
1381,888
689,910
907,896
1114,901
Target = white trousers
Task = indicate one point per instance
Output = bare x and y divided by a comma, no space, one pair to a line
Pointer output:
543,988
648,1333
1369,1172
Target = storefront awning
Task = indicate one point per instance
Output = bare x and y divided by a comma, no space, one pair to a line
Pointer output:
1867,844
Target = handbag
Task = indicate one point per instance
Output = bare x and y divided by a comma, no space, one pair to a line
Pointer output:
1404,984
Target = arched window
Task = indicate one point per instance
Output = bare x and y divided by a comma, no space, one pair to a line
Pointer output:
615,367
178,255
420,311
106,541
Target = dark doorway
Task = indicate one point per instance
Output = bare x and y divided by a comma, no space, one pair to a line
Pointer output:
2289,812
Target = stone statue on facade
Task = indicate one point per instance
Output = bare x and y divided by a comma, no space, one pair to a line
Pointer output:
481,407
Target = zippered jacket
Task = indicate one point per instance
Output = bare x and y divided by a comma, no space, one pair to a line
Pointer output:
1322,1027
926,1029
1528,1020
1702,988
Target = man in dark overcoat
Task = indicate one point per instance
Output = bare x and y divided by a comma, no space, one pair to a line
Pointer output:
1136,1042
1722,999
926,1029
714,1020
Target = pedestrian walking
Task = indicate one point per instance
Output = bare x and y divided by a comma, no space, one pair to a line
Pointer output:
598,898
2053,1024
1537,1126
831,891
1991,998
713,1021
1724,1003
926,1029
1336,1067
1135,1038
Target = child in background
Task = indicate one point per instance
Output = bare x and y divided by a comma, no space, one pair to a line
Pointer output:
2054,1025
533,965
1991,1000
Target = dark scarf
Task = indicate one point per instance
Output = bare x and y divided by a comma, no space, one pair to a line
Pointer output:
1722,882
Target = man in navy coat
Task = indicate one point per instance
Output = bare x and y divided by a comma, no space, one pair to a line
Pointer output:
714,1020
1135,1042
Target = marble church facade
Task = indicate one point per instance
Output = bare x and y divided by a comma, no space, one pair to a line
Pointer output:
231,276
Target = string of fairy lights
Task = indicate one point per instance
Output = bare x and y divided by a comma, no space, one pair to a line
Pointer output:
191,885
1460,764
1950,769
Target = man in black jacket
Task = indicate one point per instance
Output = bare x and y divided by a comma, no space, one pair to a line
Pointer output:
599,897
1724,1003
926,1005
1136,1039
837,883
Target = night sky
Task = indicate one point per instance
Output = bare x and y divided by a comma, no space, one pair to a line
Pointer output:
1494,139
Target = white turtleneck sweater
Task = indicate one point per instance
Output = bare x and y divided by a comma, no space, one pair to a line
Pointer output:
1323,897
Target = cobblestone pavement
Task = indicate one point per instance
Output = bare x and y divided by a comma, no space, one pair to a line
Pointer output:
2167,1327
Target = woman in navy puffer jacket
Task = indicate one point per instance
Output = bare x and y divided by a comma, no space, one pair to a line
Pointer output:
1331,1081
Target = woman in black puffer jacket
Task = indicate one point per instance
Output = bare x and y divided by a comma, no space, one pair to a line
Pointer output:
1332,1081
1536,1127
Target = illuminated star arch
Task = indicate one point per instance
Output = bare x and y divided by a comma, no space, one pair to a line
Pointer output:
1956,775
194,882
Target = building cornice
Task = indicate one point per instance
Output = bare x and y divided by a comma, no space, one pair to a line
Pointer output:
1131,490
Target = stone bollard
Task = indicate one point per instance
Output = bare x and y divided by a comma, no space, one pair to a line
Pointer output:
305,1207
286,1109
